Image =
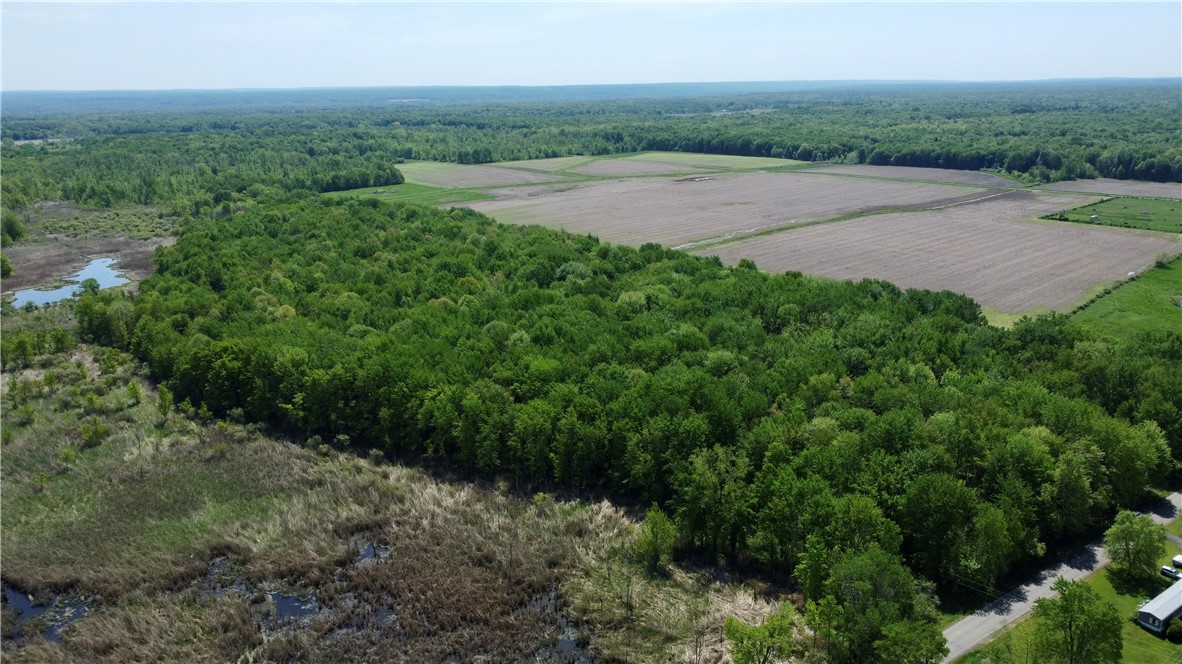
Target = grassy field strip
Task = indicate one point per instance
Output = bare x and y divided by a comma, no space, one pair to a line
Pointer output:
820,171
1147,303
1152,214
731,238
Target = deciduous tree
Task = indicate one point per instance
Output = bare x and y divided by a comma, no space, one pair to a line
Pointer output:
1079,627
1134,542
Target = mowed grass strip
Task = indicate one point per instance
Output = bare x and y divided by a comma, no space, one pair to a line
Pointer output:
1151,214
1148,303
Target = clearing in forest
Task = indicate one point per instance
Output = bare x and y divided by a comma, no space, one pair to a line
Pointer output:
1120,188
675,211
991,251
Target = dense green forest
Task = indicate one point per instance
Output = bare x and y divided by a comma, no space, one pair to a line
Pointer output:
862,441
190,159
871,447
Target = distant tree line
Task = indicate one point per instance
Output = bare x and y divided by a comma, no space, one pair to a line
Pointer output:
1046,132
871,444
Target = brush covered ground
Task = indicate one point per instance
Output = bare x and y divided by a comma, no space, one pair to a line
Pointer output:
176,532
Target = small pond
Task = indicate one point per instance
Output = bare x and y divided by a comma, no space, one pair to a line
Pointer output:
100,269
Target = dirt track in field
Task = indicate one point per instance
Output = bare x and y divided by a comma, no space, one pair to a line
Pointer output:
915,173
663,210
1120,188
990,251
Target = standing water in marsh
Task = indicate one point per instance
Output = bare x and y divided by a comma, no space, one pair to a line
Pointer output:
100,269
23,618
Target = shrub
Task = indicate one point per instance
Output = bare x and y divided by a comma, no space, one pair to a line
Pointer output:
1174,633
94,431
654,545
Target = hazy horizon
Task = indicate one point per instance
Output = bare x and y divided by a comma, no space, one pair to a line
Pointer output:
160,46
850,81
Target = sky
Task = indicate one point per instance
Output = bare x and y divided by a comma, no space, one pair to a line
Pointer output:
197,45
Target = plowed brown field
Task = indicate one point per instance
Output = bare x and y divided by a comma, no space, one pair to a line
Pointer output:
991,251
914,173
438,174
639,210
1121,188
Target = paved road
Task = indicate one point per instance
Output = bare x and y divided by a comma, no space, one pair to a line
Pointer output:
971,631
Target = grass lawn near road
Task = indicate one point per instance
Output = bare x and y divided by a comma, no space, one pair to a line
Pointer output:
1151,214
1140,646
1148,303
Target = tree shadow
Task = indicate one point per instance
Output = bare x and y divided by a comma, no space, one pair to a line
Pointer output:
1136,585
1003,604
1164,509
1083,559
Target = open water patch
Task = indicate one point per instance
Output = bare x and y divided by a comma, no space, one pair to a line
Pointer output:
288,608
573,643
23,618
373,554
101,270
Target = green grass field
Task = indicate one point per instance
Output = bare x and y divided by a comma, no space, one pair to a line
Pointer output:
1151,214
1148,303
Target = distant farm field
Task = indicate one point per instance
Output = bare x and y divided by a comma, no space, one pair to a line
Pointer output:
672,212
446,175
1154,214
1121,188
625,167
1148,303
550,164
970,232
922,174
990,251
723,161
673,162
